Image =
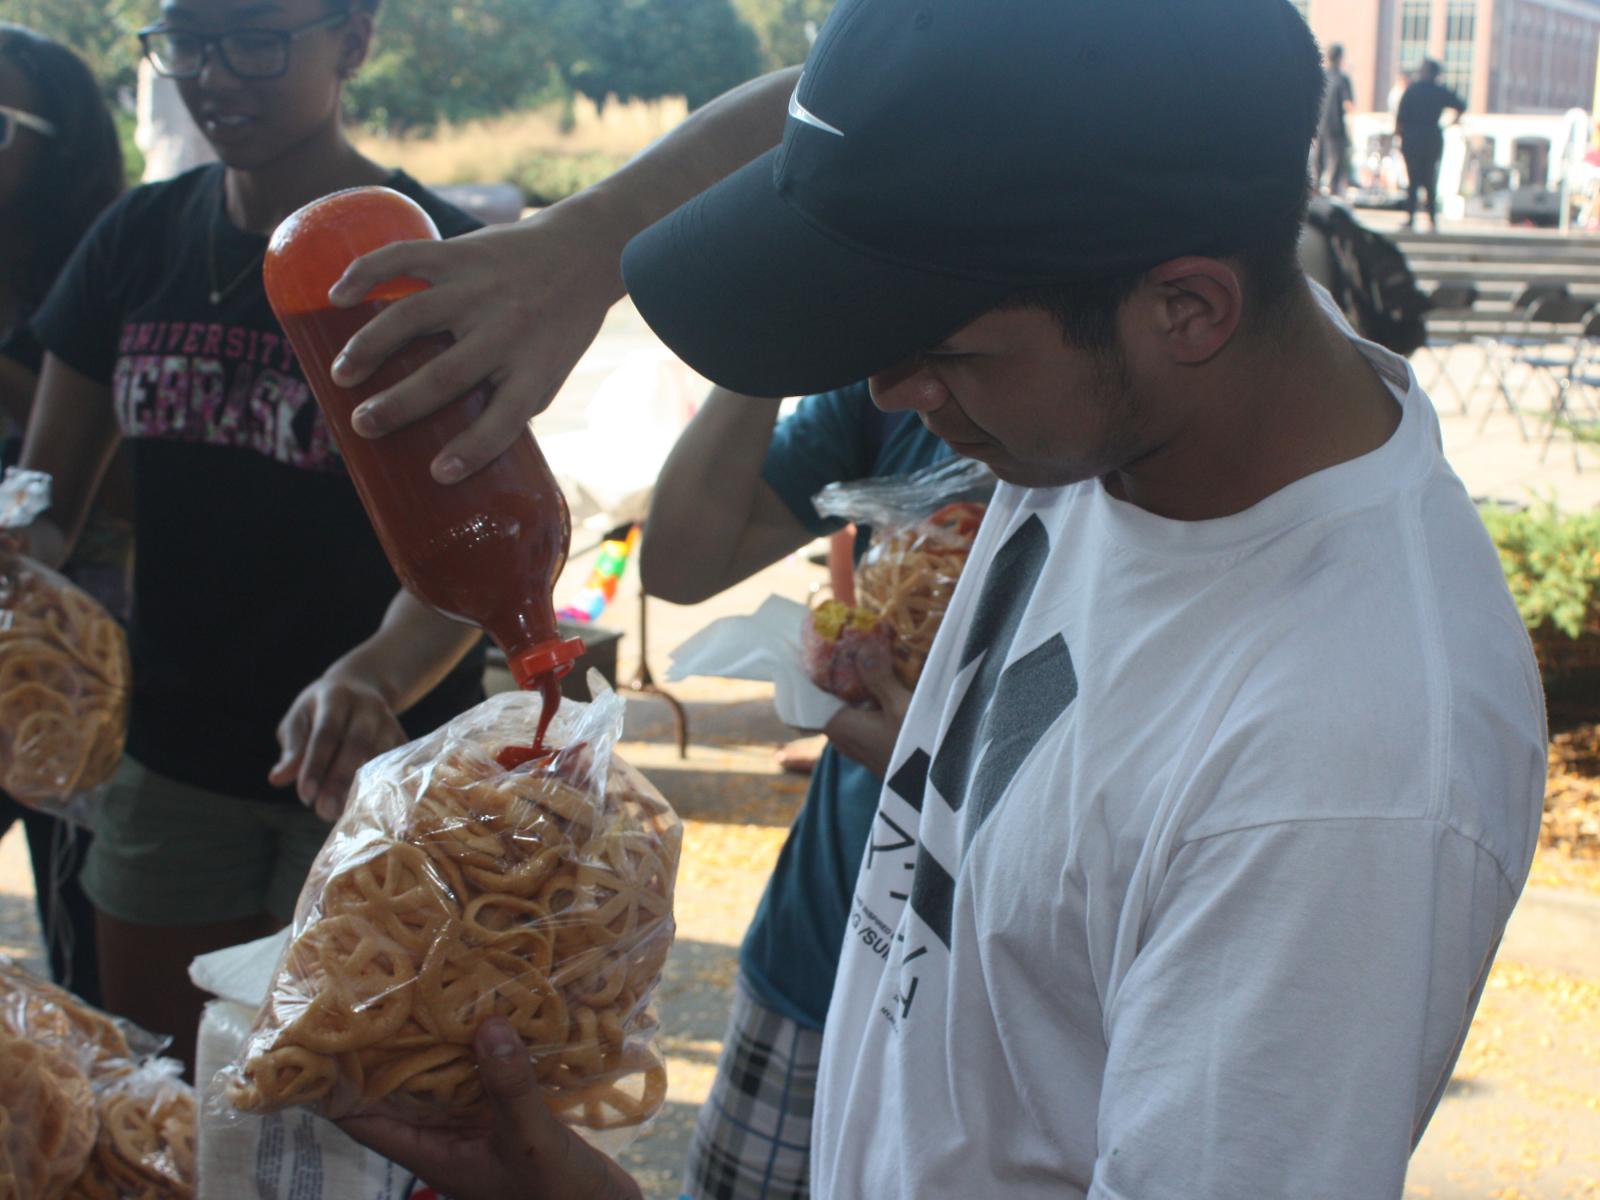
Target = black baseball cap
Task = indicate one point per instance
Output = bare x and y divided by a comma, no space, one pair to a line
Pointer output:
941,155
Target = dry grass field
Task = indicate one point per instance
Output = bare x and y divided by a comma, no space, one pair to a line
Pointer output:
546,151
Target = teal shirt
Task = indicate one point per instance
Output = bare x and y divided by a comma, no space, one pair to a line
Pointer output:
791,952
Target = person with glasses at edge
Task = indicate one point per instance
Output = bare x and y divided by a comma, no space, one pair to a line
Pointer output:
60,167
274,651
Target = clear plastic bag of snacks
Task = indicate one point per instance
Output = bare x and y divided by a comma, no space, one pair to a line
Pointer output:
64,671
102,1047
145,1149
72,1083
48,1121
923,526
453,889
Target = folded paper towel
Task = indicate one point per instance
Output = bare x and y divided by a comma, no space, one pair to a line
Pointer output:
766,646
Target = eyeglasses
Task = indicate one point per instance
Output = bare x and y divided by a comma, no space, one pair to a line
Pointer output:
11,118
248,53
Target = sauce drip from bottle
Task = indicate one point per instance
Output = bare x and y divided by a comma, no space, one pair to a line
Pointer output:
513,757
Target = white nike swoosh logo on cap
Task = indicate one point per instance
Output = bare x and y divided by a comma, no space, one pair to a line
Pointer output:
804,115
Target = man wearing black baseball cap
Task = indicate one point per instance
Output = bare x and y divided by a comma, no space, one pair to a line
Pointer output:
1226,767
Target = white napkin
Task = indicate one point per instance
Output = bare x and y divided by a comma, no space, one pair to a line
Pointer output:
766,646
241,973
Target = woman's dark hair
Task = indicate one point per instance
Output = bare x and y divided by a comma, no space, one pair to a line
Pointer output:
79,170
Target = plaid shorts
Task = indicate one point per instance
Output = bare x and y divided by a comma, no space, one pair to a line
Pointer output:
752,1140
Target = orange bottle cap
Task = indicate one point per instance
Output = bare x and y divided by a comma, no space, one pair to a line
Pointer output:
554,657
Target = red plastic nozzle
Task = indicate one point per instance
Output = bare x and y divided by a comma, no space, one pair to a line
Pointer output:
554,657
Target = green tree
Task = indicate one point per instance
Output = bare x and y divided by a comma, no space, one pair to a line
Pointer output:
647,49
102,31
781,26
456,59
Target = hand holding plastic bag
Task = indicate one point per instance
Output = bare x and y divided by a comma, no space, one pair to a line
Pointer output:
452,890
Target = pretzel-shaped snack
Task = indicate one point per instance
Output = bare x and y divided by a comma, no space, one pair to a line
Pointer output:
908,577
453,890
64,679
146,1147
52,1121
39,1011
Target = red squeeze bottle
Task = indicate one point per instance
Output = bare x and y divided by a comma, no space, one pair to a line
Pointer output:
486,550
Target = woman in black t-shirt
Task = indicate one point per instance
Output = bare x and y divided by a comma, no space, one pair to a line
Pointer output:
60,166
272,646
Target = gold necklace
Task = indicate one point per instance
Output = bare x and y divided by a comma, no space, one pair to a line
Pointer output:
218,292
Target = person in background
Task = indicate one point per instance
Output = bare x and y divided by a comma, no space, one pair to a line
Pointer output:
734,496
1333,136
60,167
1422,139
273,651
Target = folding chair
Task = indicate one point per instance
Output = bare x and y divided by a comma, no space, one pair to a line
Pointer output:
1506,339
1581,376
1548,322
1450,304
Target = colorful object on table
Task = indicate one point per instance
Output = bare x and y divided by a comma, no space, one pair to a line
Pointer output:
606,574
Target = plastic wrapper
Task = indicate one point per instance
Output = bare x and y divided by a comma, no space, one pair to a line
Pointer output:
64,672
923,526
145,1149
87,1112
102,1047
453,889
48,1120
831,643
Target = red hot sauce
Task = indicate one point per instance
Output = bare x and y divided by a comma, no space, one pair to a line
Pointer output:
486,550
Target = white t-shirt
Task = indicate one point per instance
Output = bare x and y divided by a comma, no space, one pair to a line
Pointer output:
1195,849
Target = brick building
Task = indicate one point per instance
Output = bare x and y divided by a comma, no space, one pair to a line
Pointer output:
1508,56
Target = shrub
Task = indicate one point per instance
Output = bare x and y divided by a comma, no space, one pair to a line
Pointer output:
1552,564
546,177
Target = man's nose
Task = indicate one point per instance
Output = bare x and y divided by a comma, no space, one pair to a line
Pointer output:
910,386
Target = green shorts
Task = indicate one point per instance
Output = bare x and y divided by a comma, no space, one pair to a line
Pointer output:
169,853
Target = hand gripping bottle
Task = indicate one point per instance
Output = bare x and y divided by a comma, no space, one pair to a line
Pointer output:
486,550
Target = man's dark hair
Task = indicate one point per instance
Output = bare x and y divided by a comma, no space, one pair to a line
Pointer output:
79,169
1087,308
1430,70
1335,54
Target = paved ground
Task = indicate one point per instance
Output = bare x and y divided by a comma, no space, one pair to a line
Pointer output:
1522,1119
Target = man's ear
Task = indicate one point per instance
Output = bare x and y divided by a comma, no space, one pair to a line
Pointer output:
1197,306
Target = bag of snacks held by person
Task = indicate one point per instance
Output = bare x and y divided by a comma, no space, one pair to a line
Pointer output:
64,670
146,1145
923,526
458,886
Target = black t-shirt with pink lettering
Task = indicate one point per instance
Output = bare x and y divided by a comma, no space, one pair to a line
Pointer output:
255,566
